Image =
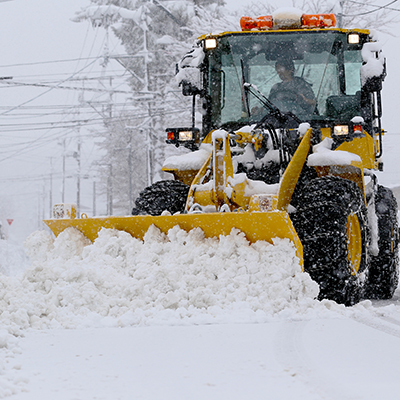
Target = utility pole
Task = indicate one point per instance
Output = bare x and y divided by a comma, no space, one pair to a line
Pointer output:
78,177
63,174
340,14
51,189
130,174
94,198
109,191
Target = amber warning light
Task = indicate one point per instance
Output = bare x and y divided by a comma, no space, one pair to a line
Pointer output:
306,21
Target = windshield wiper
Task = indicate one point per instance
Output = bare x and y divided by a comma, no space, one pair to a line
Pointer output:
245,97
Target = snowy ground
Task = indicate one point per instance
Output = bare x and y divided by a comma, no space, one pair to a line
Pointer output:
183,317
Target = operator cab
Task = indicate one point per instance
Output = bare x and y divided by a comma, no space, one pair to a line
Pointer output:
337,76
326,66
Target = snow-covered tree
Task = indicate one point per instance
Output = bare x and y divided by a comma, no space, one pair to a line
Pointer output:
155,35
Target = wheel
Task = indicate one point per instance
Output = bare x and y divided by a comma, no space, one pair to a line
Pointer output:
383,275
331,221
161,196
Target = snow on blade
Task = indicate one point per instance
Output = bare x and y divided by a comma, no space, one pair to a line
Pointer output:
180,277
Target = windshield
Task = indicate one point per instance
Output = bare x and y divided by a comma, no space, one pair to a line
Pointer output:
314,75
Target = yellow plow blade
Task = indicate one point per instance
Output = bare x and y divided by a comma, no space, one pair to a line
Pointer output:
255,225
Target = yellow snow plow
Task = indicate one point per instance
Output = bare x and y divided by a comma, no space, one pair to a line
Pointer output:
291,134
258,216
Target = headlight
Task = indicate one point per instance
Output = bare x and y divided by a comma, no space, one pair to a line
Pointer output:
341,130
353,38
185,135
210,43
188,137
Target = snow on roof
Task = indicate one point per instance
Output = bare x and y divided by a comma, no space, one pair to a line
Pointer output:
287,13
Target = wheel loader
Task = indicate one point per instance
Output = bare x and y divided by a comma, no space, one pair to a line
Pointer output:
288,146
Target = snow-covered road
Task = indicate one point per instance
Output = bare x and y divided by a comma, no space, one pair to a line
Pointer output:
183,318
338,358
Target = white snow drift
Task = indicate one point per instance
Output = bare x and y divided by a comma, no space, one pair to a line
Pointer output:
120,281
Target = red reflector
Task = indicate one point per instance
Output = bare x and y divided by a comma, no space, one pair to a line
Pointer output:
259,23
170,135
318,20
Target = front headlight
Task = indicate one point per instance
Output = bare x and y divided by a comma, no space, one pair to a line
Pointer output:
188,137
341,130
185,135
210,43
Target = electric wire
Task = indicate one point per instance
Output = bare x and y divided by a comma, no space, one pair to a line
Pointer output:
378,8
45,92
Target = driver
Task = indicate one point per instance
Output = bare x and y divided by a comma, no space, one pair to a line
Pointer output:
292,86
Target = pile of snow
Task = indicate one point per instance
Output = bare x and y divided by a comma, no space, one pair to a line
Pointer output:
182,278
176,279
189,161
13,259
324,156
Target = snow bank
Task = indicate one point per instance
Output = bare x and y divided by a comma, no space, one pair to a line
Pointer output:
176,279
181,278
13,259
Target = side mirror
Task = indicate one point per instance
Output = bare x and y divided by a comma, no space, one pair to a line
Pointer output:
188,89
373,73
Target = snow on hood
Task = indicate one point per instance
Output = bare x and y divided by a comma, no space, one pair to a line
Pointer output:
323,155
189,161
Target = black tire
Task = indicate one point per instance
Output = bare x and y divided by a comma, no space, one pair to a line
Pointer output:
383,275
329,209
162,196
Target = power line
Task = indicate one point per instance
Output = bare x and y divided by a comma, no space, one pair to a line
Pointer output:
378,8
13,83
46,91
50,62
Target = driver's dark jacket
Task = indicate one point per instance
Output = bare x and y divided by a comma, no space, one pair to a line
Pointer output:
295,86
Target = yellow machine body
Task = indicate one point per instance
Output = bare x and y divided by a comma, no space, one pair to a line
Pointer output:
258,216
220,200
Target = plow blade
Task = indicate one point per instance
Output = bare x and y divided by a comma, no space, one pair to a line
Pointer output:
255,225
